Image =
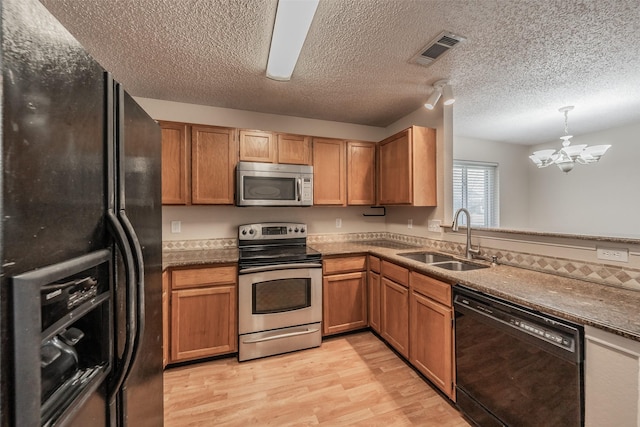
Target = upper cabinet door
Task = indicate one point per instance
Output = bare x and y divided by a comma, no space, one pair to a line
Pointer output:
257,146
294,149
361,177
329,181
175,163
395,170
407,168
214,158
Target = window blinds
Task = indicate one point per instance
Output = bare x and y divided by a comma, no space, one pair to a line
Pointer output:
475,188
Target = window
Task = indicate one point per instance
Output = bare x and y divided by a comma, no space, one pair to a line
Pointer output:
475,188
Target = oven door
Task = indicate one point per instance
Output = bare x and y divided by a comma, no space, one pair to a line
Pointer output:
278,296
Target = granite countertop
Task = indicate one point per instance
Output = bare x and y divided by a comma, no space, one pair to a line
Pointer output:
198,257
606,307
609,308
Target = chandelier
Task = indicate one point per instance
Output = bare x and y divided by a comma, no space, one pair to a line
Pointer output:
567,156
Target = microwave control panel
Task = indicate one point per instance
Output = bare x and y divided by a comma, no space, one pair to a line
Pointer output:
307,190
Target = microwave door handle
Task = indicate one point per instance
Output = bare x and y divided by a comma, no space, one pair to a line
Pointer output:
299,188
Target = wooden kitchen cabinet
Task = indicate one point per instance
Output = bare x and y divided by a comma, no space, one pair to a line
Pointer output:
361,176
373,288
293,149
213,159
203,312
165,318
394,306
257,146
198,164
270,147
329,172
176,163
407,168
344,294
431,327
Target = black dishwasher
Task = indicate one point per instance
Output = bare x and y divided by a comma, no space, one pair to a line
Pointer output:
514,366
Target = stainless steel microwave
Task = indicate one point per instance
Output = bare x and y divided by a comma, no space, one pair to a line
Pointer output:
268,184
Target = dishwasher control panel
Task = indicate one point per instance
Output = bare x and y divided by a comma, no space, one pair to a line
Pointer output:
541,332
540,327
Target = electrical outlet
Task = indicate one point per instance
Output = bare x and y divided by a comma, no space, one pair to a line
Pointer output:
338,222
409,223
176,226
621,255
434,225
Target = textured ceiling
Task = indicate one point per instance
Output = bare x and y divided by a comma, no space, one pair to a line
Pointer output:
522,60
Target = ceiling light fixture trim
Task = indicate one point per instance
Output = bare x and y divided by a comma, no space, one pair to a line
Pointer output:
293,20
441,89
567,156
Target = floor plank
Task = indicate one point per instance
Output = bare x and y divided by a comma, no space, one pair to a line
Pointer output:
352,380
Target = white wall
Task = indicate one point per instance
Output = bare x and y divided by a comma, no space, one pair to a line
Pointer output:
205,115
513,175
601,199
215,222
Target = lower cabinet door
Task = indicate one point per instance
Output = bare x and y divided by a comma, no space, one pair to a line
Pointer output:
344,302
203,322
374,301
432,341
395,315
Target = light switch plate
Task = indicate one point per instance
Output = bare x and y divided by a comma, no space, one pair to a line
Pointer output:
338,222
176,226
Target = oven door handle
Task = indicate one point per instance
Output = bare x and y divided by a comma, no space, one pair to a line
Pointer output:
275,267
280,336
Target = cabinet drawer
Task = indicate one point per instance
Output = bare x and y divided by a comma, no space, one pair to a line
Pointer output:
344,264
196,277
432,288
374,263
396,273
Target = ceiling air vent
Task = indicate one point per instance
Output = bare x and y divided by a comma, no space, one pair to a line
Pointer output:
437,47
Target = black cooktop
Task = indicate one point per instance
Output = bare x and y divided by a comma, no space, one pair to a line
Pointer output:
277,254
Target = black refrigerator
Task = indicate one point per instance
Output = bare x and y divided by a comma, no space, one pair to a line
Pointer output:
80,236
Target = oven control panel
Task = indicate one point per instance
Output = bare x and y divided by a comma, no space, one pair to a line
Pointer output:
272,230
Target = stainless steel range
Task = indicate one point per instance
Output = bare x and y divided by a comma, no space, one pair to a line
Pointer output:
279,290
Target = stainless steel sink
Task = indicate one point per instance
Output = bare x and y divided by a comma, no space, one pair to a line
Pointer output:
458,266
427,257
443,261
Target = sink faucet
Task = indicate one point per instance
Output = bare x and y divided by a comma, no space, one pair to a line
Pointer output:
470,251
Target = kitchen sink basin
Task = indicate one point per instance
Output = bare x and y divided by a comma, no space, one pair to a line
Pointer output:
458,266
427,257
443,261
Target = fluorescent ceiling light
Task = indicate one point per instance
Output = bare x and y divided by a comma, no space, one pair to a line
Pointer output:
293,19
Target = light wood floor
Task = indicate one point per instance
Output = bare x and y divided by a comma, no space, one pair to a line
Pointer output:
353,380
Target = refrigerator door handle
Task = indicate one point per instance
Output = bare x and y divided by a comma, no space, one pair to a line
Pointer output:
138,264
136,297
130,317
